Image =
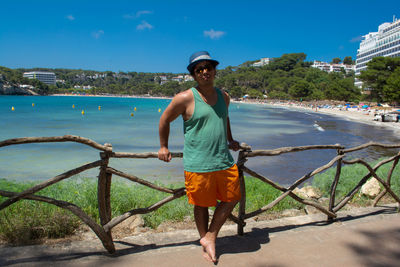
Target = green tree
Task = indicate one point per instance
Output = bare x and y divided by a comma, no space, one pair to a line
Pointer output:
301,89
278,95
342,89
236,92
348,60
170,88
277,85
317,95
287,62
336,60
253,93
375,77
391,90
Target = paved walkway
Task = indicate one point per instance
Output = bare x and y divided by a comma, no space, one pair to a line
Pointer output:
362,237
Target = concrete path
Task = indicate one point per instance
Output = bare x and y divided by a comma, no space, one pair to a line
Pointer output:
362,237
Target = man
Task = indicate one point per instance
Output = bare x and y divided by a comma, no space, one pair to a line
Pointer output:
210,171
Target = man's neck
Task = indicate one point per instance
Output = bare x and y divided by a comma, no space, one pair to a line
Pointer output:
206,89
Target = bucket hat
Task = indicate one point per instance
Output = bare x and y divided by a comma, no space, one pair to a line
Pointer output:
198,57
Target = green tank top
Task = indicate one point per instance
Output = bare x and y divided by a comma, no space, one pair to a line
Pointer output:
206,148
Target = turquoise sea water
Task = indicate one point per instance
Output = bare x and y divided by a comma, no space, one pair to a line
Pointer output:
260,126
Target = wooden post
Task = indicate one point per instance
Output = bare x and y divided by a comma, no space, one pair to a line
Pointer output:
384,191
333,188
242,204
103,197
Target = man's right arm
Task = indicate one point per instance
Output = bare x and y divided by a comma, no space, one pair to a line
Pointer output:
175,108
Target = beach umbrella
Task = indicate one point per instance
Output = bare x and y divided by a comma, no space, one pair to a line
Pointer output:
365,106
354,107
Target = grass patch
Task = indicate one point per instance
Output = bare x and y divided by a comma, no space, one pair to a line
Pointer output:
125,197
26,220
259,194
350,177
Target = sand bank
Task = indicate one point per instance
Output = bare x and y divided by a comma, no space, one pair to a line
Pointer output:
355,115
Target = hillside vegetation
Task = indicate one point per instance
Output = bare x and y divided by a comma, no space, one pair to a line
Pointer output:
288,77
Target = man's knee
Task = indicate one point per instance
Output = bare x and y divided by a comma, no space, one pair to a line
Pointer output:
230,204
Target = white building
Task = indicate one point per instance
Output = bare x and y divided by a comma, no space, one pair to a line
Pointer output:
97,76
384,43
263,61
44,77
328,67
178,78
84,87
26,86
162,79
188,78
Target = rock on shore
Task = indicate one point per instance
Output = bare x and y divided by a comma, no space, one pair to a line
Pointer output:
13,90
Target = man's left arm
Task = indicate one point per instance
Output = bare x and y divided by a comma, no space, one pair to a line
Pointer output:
233,144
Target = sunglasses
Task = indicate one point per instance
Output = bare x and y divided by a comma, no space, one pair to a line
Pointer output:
202,69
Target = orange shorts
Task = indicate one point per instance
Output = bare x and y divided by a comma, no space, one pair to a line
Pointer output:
204,188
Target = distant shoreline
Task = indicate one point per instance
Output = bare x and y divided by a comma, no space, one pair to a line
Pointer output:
120,96
353,115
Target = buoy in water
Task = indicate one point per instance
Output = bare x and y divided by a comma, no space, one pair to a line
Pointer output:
99,107
134,109
132,114
12,108
33,104
159,110
83,112
73,106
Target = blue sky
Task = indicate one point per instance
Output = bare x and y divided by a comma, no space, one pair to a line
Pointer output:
159,36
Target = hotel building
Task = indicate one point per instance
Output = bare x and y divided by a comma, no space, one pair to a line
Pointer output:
332,67
263,61
384,43
44,77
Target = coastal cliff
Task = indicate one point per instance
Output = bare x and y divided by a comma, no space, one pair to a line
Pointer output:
14,90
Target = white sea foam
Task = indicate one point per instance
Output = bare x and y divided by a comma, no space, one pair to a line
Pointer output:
319,128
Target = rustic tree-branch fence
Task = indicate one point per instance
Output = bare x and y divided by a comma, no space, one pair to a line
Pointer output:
104,230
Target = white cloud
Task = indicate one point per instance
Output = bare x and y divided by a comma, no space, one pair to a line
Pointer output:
144,25
128,16
143,12
356,39
137,14
98,34
214,34
70,17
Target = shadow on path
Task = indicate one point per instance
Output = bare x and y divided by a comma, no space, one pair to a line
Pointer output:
250,242
380,249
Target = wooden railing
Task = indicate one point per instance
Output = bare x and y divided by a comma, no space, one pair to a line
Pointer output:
104,229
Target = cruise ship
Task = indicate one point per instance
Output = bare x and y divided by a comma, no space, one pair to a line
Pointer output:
384,43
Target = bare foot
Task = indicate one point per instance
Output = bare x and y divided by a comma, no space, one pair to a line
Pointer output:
206,256
208,248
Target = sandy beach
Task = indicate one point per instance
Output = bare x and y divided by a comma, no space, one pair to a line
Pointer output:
361,116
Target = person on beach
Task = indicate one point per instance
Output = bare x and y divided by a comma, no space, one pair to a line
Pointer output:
209,168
